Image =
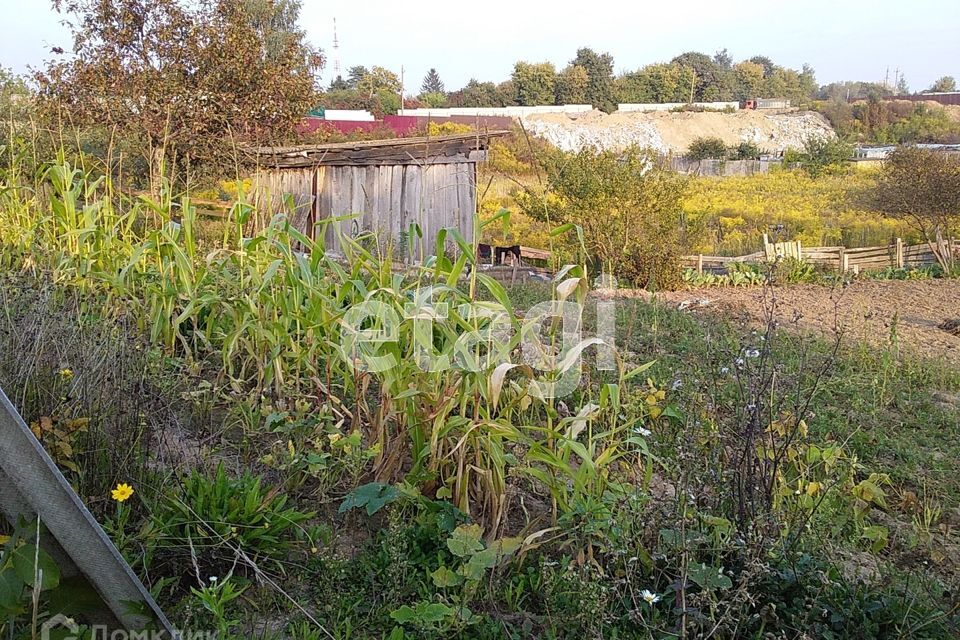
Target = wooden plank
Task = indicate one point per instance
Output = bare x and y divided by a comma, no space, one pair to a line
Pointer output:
534,254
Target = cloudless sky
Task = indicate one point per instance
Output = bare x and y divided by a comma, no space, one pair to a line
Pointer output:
841,39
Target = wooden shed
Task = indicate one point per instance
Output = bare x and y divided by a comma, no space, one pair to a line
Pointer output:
386,184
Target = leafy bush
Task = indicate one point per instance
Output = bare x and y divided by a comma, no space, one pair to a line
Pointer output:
707,149
745,151
821,156
627,206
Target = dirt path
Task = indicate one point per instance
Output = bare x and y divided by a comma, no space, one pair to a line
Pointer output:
867,310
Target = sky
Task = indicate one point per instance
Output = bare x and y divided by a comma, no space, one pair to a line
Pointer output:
841,39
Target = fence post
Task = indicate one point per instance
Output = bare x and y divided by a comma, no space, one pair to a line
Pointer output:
842,262
899,257
700,263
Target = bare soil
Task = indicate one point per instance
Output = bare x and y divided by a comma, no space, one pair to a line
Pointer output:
918,313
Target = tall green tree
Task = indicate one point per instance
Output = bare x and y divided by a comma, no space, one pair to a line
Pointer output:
946,84
355,74
276,24
711,83
657,83
476,94
432,83
764,62
378,79
534,83
600,81
749,78
572,85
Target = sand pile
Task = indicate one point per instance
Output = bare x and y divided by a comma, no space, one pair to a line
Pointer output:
673,132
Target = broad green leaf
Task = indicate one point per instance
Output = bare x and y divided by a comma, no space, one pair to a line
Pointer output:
28,559
466,540
373,496
709,578
444,577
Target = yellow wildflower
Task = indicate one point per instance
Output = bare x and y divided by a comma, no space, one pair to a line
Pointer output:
122,492
66,373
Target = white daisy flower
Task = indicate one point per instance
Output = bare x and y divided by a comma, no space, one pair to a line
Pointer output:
650,597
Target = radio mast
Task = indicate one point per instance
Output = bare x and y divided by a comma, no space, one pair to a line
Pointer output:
336,52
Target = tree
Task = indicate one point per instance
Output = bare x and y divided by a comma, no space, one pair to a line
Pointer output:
275,23
922,187
431,83
745,151
180,77
571,85
600,82
723,59
475,94
903,88
749,78
764,62
659,83
946,84
534,83
851,90
339,84
13,93
433,100
711,83
355,74
378,80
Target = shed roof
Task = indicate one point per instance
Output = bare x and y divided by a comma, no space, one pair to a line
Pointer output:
394,151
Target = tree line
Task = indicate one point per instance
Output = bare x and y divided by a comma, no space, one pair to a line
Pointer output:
588,78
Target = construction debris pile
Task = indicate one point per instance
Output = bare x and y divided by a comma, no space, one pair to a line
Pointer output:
673,132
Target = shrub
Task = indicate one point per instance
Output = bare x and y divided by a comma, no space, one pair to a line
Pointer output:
626,204
707,149
821,156
745,151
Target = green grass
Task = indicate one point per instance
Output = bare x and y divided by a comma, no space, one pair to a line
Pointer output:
889,407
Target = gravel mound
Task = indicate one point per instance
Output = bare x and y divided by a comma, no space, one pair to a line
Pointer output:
669,132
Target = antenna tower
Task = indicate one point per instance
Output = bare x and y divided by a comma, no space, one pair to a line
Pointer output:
336,52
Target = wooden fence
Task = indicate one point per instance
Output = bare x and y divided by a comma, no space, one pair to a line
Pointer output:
896,255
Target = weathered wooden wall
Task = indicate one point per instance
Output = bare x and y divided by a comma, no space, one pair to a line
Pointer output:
386,199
